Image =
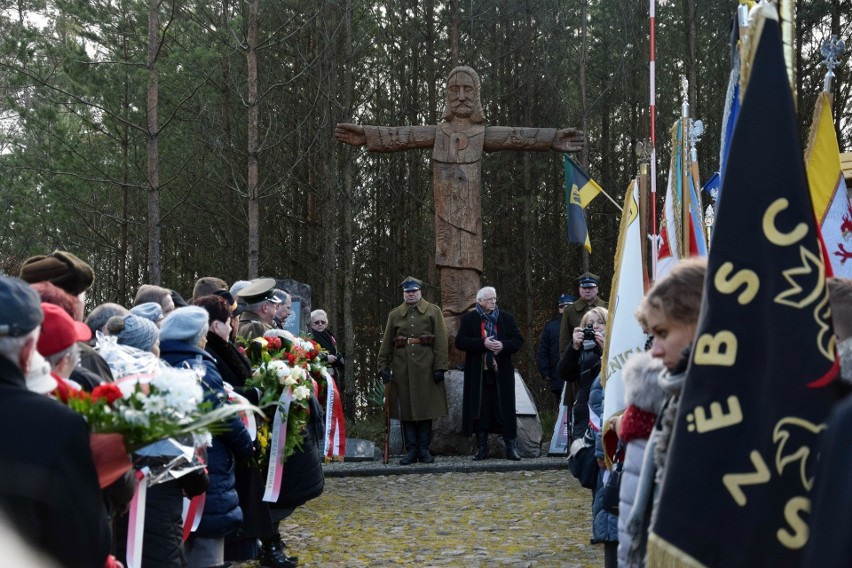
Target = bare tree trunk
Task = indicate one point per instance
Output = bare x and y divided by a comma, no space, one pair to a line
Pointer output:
691,54
154,263
228,147
454,33
125,189
584,11
252,143
348,222
837,102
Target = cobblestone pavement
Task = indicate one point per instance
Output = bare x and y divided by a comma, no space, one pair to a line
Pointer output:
450,513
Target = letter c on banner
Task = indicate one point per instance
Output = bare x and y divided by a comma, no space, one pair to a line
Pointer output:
772,233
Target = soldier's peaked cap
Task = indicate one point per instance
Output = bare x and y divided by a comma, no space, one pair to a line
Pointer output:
259,290
411,284
588,280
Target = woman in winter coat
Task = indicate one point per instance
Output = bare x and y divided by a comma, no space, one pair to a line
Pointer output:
644,398
182,340
670,312
604,523
581,363
322,335
235,369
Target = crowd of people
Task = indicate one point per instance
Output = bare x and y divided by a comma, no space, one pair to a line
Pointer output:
54,491
60,503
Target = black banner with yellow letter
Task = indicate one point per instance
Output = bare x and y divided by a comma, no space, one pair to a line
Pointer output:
741,464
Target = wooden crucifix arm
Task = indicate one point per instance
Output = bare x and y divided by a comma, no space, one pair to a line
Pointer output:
386,138
533,139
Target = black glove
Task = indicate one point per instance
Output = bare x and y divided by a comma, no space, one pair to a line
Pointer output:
194,483
438,375
385,375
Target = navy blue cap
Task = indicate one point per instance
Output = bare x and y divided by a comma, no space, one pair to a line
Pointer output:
411,284
20,307
566,299
588,280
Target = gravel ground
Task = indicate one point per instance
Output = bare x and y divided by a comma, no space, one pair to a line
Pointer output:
525,514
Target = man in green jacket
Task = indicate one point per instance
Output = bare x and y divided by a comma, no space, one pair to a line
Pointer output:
588,298
414,356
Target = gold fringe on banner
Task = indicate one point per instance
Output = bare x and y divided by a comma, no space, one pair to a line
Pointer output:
788,38
758,17
663,554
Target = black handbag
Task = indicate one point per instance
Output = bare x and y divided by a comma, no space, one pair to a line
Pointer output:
613,483
582,462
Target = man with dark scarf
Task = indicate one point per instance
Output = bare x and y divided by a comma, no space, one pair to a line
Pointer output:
489,337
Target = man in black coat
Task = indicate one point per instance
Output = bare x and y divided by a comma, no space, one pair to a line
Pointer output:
48,482
547,356
489,337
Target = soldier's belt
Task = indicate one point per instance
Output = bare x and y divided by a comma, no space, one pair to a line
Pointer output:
422,340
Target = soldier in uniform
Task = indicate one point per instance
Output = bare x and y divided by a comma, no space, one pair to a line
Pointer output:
416,349
588,292
261,305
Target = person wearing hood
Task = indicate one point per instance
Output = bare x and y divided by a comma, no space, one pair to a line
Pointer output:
183,337
644,398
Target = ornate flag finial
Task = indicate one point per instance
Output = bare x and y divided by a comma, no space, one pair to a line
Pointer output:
831,50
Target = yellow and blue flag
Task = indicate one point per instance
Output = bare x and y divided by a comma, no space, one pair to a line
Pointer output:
580,190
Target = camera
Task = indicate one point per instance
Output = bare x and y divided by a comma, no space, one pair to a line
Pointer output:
589,332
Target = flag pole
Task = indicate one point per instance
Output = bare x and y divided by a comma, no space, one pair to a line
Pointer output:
652,111
686,223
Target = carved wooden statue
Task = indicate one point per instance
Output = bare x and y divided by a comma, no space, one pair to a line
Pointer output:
457,145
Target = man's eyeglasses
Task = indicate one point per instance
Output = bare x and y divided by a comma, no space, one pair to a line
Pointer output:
320,322
494,299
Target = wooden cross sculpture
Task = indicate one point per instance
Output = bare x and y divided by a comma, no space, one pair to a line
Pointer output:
457,144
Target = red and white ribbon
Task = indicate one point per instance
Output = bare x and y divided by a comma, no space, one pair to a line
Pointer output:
136,519
335,430
246,416
192,511
276,448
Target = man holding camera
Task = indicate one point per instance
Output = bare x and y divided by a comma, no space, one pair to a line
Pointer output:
414,357
588,291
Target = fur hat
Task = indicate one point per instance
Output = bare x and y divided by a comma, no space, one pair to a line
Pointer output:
38,377
187,324
641,388
134,331
62,268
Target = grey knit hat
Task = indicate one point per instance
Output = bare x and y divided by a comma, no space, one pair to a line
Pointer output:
149,310
138,332
187,324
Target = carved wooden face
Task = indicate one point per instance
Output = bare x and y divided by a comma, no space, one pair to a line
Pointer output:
462,96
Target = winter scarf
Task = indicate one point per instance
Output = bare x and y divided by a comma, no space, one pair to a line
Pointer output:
490,323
